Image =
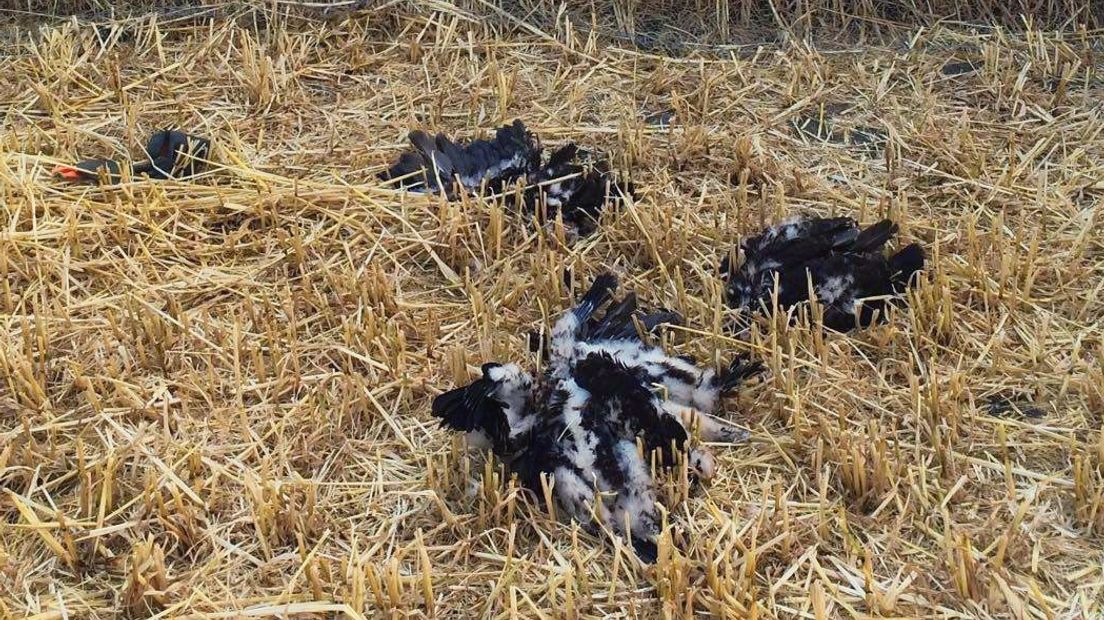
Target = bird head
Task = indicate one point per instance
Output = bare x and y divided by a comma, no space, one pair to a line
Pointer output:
512,384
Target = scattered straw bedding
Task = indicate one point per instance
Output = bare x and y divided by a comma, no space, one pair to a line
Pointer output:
215,393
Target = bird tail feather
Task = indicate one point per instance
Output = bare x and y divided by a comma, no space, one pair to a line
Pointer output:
874,237
905,264
600,291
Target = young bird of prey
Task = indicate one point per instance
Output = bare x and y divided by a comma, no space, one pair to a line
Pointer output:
572,184
173,154
851,276
604,390
576,185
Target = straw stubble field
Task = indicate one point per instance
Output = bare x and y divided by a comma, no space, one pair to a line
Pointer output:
215,393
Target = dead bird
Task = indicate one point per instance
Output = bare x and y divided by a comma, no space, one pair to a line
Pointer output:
850,275
172,154
693,393
438,164
573,184
603,390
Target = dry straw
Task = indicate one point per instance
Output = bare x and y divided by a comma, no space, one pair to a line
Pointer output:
214,393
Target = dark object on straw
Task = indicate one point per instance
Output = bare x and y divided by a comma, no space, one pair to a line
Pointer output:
1001,406
845,265
573,183
602,391
173,155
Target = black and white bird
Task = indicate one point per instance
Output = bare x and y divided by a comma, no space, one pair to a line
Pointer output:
692,393
573,183
576,185
851,276
604,389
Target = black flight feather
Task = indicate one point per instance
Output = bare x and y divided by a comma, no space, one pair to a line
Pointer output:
473,408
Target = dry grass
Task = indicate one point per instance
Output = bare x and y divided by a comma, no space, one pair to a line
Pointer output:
215,394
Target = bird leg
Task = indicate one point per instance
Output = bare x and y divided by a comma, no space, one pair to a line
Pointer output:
576,496
711,428
701,462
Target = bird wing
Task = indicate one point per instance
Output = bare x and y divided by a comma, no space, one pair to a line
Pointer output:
618,322
904,264
800,236
451,153
172,153
501,160
436,164
473,408
410,170
599,292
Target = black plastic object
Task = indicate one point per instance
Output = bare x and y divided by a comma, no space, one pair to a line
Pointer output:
172,155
